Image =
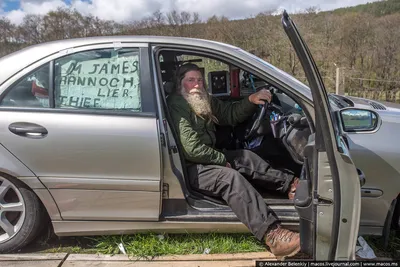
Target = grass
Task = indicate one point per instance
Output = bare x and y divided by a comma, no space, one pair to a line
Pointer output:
150,245
71,250
376,243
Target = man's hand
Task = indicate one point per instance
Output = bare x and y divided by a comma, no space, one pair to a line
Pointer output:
259,97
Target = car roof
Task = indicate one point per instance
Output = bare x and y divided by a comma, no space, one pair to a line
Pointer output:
18,60
29,55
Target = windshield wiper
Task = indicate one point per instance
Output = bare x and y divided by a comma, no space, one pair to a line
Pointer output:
337,101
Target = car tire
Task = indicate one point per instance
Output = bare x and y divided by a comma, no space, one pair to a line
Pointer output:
396,216
21,214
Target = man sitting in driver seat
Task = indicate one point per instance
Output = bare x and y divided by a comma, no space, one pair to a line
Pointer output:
225,174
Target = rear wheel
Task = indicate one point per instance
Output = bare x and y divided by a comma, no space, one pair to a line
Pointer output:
21,214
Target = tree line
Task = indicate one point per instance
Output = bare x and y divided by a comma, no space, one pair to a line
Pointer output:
363,45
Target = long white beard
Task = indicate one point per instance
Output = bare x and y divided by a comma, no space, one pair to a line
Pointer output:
200,104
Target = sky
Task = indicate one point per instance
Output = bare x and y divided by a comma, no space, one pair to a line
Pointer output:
130,10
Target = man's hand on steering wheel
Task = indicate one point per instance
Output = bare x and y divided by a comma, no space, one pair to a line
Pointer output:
259,97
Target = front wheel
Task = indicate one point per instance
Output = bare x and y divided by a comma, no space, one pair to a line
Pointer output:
396,216
21,214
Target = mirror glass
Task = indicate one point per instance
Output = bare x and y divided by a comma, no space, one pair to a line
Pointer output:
358,120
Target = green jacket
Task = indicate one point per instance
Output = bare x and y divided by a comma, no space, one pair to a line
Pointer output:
197,137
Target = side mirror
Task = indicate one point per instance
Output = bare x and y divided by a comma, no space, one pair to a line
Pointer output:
361,176
359,120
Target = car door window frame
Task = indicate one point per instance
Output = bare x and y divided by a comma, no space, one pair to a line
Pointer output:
148,104
227,59
239,63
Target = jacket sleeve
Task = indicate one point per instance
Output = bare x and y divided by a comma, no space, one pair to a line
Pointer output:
194,150
232,113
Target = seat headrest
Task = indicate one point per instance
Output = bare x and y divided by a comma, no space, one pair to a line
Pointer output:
169,87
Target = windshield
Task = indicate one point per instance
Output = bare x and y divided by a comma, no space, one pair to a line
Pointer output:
336,102
266,64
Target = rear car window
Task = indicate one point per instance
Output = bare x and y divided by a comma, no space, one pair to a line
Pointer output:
99,79
31,91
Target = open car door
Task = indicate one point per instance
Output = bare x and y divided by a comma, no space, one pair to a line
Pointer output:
329,208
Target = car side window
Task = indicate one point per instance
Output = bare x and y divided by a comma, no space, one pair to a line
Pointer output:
105,79
30,91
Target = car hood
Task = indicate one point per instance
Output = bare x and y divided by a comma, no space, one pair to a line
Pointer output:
381,107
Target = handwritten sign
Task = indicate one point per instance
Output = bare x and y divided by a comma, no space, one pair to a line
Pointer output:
105,83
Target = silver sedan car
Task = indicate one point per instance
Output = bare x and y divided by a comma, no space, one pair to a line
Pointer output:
86,142
376,152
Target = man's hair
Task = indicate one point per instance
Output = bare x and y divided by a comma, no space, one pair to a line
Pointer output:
181,72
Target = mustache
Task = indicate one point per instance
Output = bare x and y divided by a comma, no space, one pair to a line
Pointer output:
195,90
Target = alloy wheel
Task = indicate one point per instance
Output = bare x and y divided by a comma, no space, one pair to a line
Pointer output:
12,210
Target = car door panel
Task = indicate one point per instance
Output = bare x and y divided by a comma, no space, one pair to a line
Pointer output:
95,145
105,155
102,199
336,188
78,204
303,200
79,145
101,184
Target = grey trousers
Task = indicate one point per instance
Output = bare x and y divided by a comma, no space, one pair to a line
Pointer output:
232,184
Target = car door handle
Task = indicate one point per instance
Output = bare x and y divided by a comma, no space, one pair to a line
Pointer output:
28,129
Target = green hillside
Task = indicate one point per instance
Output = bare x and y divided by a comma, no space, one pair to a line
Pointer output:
380,8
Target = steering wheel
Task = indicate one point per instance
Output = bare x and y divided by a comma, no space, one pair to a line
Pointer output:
257,122
250,131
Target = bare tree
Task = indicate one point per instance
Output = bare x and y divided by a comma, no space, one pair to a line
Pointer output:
365,44
31,29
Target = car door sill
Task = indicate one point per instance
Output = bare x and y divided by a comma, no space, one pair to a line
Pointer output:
184,205
283,215
86,228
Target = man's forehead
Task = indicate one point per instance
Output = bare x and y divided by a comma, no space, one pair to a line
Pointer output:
193,74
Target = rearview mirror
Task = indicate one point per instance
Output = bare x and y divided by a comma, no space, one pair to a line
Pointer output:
359,120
